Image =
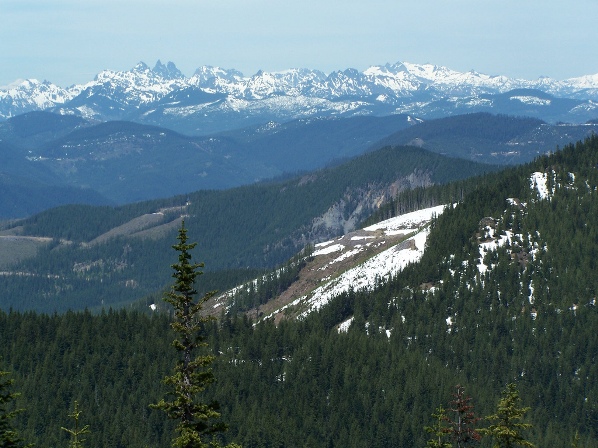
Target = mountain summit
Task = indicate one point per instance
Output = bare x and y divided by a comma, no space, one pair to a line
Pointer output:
168,71
217,99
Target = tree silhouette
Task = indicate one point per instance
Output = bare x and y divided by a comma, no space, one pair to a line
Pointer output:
439,430
9,437
76,432
462,427
192,373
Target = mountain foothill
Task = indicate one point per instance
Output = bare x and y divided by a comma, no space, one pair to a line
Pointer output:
500,290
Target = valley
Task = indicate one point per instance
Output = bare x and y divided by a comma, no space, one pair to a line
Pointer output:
247,228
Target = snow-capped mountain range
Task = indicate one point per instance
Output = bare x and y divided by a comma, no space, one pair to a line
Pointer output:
215,99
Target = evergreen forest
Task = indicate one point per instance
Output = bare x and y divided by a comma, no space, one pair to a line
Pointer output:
505,294
241,230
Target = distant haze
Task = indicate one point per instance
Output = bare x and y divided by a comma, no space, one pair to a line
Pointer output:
69,41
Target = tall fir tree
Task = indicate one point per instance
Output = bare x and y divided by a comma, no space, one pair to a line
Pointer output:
507,431
440,431
9,436
76,432
197,421
462,426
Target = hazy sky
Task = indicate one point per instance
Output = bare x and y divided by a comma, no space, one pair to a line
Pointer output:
70,41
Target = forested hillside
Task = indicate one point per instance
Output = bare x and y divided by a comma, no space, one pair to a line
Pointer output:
505,293
489,138
126,162
104,256
50,160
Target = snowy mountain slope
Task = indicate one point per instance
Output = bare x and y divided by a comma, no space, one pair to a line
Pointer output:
355,261
423,90
516,246
30,95
533,251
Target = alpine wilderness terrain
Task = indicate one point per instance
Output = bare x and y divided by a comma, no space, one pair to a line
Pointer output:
81,256
214,99
502,294
404,256
51,160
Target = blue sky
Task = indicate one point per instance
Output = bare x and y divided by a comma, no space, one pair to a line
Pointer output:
70,41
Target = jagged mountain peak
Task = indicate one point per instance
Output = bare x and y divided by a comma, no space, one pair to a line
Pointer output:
351,72
586,81
168,71
211,71
423,90
31,94
20,85
141,67
141,75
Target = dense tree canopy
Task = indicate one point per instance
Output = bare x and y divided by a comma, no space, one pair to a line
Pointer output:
473,312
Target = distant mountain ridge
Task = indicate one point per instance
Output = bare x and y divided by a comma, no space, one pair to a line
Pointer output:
120,162
215,99
250,227
127,161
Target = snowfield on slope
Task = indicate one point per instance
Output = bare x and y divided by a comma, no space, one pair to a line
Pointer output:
408,234
365,275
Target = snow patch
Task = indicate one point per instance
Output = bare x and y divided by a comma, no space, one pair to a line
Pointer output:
329,249
532,100
539,182
413,220
364,276
358,238
344,326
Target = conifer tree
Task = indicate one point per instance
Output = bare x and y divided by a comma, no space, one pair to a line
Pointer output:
506,432
9,437
575,441
462,428
76,432
192,373
439,430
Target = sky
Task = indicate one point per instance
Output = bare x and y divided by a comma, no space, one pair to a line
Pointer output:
69,41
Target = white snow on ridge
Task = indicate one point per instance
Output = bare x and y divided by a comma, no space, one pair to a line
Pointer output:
412,232
534,100
584,82
388,83
538,181
328,249
413,220
381,266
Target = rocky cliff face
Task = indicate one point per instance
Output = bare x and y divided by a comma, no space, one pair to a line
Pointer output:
355,206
